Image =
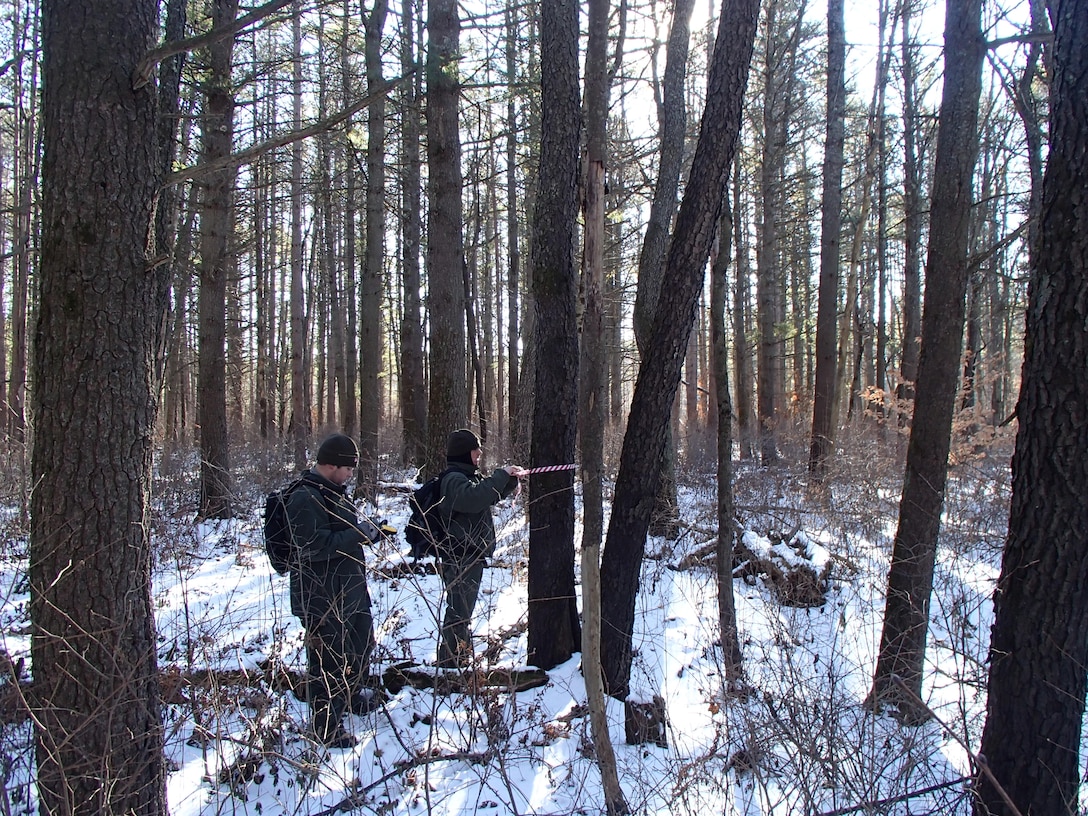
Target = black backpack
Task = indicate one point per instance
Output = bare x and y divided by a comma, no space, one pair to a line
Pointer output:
278,541
426,531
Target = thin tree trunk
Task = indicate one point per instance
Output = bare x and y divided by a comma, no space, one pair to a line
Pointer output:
824,396
299,426
591,396
912,221
413,386
741,312
729,636
659,374
349,409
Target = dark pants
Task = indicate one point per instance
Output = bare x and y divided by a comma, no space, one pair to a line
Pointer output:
338,659
462,582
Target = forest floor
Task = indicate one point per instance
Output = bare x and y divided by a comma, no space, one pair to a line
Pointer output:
505,740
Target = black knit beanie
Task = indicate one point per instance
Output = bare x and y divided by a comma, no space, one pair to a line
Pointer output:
460,444
338,450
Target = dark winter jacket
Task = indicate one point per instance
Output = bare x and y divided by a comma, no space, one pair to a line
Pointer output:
330,575
467,496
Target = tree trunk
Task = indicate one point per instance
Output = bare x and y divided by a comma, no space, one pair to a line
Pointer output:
554,632
216,222
672,118
1038,651
824,395
513,240
729,637
447,406
741,323
659,374
299,426
910,578
413,387
912,222
101,306
349,408
25,178
591,396
370,293
779,83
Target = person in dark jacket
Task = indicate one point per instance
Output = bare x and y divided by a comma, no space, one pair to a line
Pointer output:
467,498
329,592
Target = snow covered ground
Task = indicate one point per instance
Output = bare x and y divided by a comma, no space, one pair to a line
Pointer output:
800,743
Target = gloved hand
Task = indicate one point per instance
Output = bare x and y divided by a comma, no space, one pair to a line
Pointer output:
387,530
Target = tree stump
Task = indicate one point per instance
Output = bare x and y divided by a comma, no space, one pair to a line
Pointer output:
646,722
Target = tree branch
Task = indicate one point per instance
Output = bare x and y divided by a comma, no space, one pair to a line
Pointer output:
142,75
1044,37
282,140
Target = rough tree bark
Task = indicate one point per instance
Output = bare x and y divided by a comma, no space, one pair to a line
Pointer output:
1038,651
216,229
554,631
447,407
101,307
413,388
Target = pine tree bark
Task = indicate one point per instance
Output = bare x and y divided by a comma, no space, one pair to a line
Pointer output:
824,396
370,300
910,578
447,407
99,737
554,631
299,424
216,230
1038,651
659,374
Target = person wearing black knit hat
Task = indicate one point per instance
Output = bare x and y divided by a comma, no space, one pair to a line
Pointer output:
329,593
467,498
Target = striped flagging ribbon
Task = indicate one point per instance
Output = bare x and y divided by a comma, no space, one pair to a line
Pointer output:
549,469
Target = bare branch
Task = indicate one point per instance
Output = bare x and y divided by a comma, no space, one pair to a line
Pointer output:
284,139
142,75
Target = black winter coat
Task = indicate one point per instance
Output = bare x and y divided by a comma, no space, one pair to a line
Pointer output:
467,497
329,578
